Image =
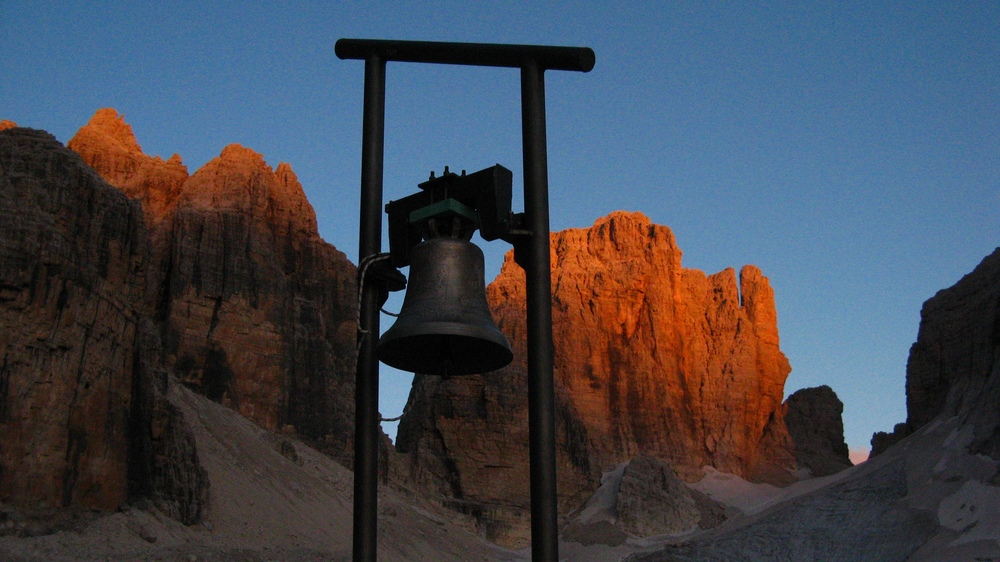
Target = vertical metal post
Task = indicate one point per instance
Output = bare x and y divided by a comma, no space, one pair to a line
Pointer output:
541,396
366,379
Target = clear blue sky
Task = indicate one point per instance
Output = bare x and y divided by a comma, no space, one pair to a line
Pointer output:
850,150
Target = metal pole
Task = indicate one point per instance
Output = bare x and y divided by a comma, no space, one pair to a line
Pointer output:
541,396
366,379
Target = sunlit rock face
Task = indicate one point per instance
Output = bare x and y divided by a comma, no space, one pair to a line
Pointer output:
954,366
650,358
257,307
814,417
108,145
254,309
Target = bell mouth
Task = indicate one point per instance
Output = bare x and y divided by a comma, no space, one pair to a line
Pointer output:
441,350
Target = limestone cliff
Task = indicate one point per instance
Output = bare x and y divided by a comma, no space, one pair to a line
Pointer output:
254,309
219,280
76,348
650,358
954,366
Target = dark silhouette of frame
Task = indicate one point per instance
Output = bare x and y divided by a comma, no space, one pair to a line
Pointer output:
531,251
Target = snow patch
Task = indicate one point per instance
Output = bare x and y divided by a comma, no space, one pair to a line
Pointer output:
974,510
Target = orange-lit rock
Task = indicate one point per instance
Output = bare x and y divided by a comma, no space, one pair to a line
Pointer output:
650,358
258,309
5,124
108,145
225,284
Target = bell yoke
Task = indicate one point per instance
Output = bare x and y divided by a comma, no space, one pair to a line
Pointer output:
444,326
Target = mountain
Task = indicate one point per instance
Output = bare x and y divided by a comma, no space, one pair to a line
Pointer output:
933,491
650,358
81,407
954,366
123,290
254,309
218,279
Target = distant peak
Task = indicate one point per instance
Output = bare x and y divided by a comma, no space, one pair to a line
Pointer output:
5,124
107,123
247,156
631,216
286,175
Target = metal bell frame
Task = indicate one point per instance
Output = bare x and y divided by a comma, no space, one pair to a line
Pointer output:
531,252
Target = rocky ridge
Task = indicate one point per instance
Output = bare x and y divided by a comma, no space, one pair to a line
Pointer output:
931,490
954,366
234,294
108,145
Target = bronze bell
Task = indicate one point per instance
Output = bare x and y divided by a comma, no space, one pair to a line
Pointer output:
445,327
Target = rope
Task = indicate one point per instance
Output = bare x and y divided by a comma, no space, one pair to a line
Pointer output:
400,416
362,333
367,262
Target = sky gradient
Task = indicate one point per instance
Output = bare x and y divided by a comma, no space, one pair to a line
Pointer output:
850,150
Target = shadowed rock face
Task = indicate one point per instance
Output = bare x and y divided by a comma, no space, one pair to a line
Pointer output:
650,358
219,279
815,422
954,366
78,354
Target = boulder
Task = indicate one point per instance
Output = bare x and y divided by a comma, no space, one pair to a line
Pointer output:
814,417
652,500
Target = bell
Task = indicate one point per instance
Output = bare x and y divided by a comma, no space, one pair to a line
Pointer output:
445,327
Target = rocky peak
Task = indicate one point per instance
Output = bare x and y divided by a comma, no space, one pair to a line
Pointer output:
254,309
108,145
113,129
240,180
651,358
5,124
225,286
815,421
